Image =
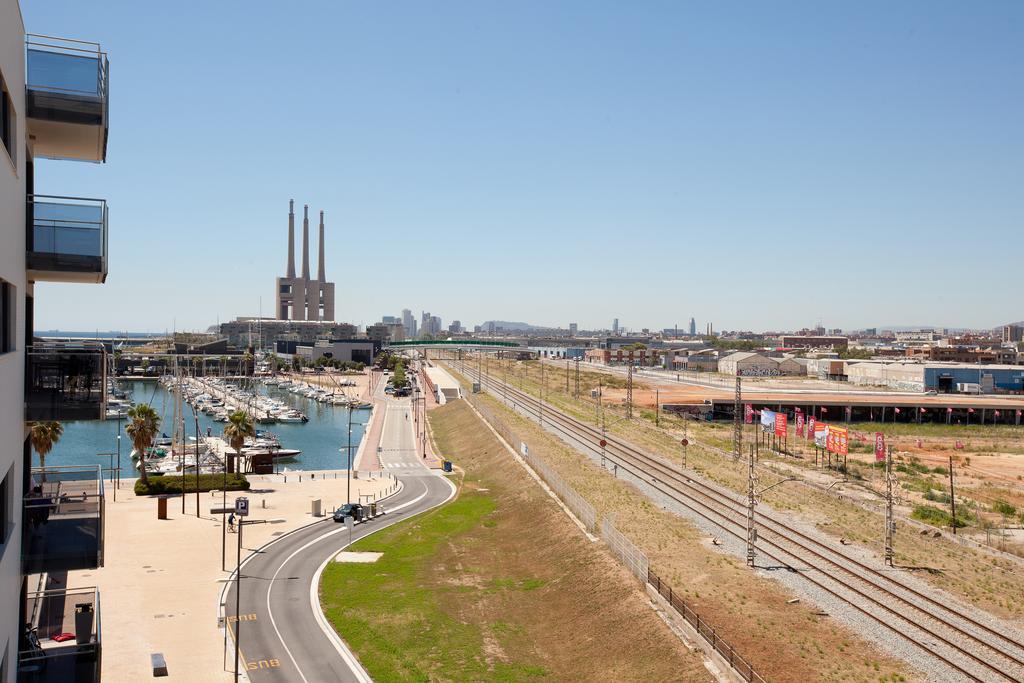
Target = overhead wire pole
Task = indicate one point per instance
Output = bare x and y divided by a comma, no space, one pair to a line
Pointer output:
629,392
890,522
541,391
577,391
952,498
737,424
751,505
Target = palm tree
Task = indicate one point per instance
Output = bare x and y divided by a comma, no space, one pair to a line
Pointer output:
142,430
237,430
44,435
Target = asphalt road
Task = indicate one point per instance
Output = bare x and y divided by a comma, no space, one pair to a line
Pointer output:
282,633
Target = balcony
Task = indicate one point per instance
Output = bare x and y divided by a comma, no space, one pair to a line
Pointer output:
54,612
66,239
67,96
63,520
65,381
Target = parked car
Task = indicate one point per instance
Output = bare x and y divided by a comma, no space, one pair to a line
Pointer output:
353,510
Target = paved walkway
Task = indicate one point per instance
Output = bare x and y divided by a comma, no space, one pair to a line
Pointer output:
160,587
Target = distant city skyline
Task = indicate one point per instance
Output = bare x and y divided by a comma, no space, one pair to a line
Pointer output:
853,163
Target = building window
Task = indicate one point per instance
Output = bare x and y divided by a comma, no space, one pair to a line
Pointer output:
7,319
8,121
6,511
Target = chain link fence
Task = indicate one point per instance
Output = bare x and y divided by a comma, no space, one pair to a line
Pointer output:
628,554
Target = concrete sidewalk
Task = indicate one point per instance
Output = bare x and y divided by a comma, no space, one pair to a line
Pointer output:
162,579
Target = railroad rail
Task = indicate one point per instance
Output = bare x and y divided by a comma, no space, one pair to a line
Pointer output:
966,645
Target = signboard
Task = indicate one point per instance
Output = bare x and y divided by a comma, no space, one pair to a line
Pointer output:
837,440
767,420
800,425
879,446
821,435
810,427
748,414
780,424
242,507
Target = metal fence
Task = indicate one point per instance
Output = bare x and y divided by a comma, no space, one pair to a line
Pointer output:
583,510
741,666
628,554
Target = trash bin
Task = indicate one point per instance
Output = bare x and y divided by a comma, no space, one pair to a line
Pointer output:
447,465
161,508
373,509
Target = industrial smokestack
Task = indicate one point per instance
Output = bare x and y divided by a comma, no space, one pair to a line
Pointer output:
291,238
305,242
320,275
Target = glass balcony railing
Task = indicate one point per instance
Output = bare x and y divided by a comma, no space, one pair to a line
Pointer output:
63,520
67,87
65,381
66,239
65,642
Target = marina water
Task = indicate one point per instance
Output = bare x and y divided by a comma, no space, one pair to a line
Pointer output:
323,440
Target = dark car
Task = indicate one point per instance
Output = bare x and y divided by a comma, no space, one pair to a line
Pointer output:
354,510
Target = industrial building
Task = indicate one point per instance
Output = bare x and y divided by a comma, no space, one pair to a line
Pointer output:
748,364
344,350
301,298
968,379
799,341
53,104
266,332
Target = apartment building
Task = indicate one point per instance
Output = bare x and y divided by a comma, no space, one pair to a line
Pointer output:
53,103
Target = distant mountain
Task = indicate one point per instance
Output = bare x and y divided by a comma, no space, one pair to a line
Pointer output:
507,325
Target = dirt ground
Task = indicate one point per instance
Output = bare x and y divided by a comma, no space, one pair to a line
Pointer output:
576,623
784,642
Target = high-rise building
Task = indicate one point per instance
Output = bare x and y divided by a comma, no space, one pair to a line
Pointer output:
53,104
573,328
615,326
1013,333
455,327
410,323
302,298
390,320
693,327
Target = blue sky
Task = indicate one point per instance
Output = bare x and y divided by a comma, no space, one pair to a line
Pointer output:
757,165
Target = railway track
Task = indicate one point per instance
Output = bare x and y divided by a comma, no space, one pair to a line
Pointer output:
973,649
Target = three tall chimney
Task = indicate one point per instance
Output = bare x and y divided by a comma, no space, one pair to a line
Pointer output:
305,243
291,238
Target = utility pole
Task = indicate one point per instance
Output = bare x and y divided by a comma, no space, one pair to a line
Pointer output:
541,392
567,376
751,499
952,498
737,424
629,392
890,523
577,392
657,408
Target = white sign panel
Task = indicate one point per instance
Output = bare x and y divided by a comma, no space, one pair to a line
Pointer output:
524,449
242,507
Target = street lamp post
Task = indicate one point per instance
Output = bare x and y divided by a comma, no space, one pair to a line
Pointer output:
348,469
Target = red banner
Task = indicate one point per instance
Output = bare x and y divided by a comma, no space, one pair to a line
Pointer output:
879,446
748,413
800,425
780,424
838,440
810,428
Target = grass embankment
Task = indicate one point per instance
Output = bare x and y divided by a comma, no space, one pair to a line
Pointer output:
496,585
172,483
785,642
988,582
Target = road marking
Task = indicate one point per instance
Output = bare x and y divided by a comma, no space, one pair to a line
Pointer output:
346,655
314,601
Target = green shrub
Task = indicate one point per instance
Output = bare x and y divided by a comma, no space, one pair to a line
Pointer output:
935,516
171,483
1004,508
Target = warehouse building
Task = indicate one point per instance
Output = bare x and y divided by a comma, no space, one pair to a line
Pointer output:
974,379
748,364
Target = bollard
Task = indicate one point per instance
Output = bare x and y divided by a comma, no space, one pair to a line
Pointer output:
313,476
263,502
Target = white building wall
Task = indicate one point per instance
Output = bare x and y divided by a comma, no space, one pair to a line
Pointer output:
12,363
